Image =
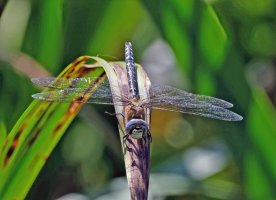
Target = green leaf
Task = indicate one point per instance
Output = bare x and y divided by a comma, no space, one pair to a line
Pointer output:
45,33
260,162
196,37
178,38
212,39
3,133
116,31
35,135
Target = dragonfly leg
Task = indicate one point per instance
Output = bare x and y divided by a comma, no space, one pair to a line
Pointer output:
146,136
112,114
144,140
125,140
149,134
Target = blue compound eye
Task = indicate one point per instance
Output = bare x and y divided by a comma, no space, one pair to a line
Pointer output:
136,128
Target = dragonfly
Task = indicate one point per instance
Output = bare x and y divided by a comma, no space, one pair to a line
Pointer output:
161,97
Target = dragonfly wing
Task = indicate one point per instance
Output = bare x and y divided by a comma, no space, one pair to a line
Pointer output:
171,93
211,111
63,83
173,99
74,89
100,96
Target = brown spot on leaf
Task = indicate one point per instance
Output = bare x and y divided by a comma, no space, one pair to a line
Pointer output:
14,143
8,155
58,127
82,71
79,60
51,114
38,130
73,107
40,111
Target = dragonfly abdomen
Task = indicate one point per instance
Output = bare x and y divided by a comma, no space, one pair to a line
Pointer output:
131,71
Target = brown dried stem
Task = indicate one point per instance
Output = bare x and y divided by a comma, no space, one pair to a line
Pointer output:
137,153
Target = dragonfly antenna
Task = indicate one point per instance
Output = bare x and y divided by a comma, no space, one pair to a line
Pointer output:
131,71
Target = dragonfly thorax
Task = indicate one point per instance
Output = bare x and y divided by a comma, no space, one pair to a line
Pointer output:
134,112
136,128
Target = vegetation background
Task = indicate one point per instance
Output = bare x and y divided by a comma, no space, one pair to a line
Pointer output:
214,47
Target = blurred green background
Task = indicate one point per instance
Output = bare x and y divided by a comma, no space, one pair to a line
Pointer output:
213,47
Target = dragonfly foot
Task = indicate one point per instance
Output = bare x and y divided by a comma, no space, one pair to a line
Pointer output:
112,114
124,143
149,134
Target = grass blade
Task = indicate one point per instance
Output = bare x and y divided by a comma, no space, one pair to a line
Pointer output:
35,135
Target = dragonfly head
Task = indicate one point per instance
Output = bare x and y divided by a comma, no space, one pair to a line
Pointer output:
136,128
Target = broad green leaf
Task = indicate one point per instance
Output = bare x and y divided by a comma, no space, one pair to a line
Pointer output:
205,83
115,32
259,161
178,38
44,40
257,184
212,39
50,38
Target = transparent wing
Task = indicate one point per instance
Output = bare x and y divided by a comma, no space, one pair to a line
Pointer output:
162,97
74,89
75,95
173,99
63,83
